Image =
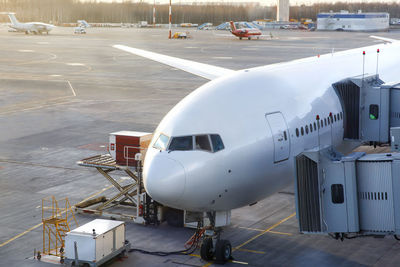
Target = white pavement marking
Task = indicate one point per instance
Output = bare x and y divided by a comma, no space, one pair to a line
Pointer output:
26,51
75,64
222,57
72,89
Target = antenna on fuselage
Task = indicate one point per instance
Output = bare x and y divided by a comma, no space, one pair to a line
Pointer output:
377,63
317,118
363,73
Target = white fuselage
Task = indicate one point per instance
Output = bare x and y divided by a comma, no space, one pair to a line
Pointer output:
29,27
254,164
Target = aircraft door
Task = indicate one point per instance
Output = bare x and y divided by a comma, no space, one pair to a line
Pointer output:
280,135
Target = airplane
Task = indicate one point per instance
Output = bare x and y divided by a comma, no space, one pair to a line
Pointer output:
232,142
245,32
29,27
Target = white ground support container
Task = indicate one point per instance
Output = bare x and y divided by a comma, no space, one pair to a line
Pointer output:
345,21
97,241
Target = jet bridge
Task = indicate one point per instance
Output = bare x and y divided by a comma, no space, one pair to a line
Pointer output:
348,196
370,107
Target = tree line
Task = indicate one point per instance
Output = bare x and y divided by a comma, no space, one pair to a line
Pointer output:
67,11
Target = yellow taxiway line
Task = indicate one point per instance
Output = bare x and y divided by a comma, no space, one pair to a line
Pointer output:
39,224
265,231
261,230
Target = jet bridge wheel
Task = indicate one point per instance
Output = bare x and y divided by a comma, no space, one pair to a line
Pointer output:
223,251
206,249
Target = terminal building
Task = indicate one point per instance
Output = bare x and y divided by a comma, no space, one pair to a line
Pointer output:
345,21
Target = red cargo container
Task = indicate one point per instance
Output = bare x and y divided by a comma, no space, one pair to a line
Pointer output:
124,145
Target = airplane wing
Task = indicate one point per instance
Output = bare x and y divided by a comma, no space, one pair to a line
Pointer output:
386,40
206,71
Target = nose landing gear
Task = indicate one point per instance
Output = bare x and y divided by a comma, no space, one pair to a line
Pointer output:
213,246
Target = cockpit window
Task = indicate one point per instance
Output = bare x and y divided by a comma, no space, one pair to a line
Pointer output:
203,143
181,143
217,142
161,142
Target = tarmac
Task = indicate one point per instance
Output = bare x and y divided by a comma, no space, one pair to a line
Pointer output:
62,94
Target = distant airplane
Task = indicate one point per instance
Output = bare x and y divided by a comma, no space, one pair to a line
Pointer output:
29,27
245,32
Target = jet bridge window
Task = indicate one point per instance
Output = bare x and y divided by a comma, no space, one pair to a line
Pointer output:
182,143
373,112
337,193
161,142
217,142
203,143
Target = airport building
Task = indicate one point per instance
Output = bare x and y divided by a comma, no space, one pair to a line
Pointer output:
345,21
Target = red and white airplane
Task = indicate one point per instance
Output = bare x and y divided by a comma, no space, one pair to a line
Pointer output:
245,32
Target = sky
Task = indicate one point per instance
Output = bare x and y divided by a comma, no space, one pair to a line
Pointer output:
263,2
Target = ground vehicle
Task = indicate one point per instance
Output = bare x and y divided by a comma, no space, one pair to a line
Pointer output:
79,30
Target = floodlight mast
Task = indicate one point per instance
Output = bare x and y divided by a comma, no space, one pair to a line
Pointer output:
154,14
170,16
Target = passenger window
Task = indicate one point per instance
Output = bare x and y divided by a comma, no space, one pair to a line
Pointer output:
325,121
306,129
182,143
285,135
337,193
297,132
373,112
203,143
334,116
315,126
311,127
341,115
161,142
217,142
302,131
338,117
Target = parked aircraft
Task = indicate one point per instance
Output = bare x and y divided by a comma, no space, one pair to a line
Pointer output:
232,142
29,27
245,32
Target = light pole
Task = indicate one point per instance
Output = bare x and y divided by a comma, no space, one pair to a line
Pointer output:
170,18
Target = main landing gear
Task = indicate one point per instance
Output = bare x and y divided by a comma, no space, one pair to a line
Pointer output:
213,246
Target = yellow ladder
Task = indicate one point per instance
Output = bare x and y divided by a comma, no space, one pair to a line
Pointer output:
57,217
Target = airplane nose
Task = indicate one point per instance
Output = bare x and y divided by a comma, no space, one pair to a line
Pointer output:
164,179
